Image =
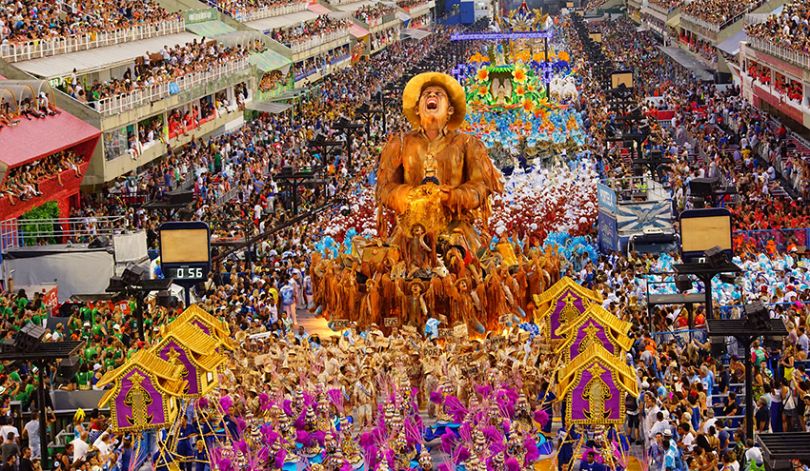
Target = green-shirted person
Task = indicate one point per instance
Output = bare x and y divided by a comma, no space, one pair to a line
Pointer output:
84,377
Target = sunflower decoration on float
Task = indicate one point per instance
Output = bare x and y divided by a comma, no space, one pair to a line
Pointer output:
504,87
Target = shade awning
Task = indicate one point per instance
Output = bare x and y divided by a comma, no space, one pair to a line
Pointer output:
282,21
39,138
401,15
101,58
357,31
731,45
269,60
685,60
352,7
318,8
274,107
210,29
674,21
416,33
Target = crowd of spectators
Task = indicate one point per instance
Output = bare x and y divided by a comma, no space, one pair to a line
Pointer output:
719,12
372,14
22,183
161,67
21,22
31,107
668,4
321,26
690,404
408,4
240,8
789,29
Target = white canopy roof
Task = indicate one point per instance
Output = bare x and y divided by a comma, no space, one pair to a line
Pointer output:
352,7
100,58
282,21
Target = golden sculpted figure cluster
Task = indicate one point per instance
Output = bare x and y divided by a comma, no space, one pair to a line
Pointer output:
433,258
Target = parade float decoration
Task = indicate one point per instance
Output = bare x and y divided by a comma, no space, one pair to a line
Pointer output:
594,384
433,256
187,345
561,304
144,393
595,326
210,325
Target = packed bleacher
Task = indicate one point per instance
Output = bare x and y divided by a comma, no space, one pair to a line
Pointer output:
668,4
13,112
407,4
32,20
372,14
21,183
244,8
789,29
719,12
319,27
158,68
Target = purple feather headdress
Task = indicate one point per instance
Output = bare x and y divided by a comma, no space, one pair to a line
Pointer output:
532,453
454,408
225,402
336,398
511,464
541,417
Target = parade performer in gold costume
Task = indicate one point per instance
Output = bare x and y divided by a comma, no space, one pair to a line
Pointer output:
435,176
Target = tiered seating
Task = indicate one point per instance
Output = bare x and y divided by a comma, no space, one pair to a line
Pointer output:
667,4
157,74
372,15
38,28
319,27
247,10
719,12
789,29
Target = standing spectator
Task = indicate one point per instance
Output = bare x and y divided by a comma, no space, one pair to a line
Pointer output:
31,433
26,463
10,448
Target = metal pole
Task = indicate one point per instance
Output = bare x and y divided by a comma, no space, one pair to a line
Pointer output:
139,298
707,283
43,422
749,396
548,80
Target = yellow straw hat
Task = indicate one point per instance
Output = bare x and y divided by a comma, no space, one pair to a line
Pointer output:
455,92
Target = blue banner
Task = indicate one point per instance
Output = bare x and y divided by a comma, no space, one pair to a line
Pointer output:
608,235
501,36
606,197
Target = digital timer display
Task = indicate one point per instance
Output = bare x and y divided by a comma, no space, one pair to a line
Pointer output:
187,273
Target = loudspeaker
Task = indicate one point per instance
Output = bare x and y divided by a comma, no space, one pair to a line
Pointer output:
180,197
29,337
166,299
715,256
702,186
683,283
757,316
133,274
99,242
67,368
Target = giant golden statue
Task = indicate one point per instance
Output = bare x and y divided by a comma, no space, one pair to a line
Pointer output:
437,260
436,179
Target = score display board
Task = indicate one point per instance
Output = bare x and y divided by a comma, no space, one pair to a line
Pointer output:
185,251
702,229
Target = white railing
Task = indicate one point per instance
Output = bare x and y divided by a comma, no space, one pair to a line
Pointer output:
756,18
317,41
802,59
262,13
15,233
127,101
16,52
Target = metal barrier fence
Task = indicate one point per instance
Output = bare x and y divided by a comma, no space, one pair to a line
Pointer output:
761,239
797,57
319,40
126,101
260,14
16,52
21,233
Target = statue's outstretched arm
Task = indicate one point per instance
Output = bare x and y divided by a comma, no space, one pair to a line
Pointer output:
392,192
